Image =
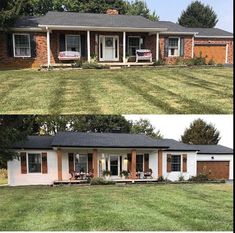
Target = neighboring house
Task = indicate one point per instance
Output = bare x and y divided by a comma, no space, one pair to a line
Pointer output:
46,159
36,41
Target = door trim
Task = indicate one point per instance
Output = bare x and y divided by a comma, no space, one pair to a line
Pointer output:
101,37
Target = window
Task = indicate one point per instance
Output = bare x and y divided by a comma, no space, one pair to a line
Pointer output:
134,43
21,43
139,163
34,163
174,47
73,43
81,163
176,163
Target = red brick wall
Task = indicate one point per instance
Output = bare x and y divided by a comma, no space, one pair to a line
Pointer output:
218,41
187,49
12,62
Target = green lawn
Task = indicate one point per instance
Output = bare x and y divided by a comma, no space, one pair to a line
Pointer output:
207,207
127,91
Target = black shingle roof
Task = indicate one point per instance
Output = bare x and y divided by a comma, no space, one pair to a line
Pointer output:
114,140
174,145
212,149
27,21
95,20
35,142
103,140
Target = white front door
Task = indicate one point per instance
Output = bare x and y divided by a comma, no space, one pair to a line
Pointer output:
109,48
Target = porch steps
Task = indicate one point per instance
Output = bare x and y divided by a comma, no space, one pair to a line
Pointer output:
116,65
117,182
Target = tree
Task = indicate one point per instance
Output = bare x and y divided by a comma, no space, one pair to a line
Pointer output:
139,7
41,7
198,15
13,129
202,133
144,126
9,11
50,125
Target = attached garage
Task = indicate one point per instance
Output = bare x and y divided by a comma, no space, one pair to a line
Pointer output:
215,52
214,169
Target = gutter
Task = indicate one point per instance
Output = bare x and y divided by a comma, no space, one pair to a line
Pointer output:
218,37
91,28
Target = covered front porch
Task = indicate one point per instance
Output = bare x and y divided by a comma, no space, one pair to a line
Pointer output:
119,165
115,48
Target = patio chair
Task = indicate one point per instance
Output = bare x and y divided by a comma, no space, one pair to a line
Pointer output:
148,174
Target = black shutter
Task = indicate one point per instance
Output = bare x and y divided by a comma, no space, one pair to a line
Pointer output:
33,46
166,42
9,42
181,46
62,42
83,46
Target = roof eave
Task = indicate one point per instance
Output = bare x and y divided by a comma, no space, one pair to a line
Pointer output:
179,33
95,28
218,37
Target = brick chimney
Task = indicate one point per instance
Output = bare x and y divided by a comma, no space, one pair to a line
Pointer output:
111,11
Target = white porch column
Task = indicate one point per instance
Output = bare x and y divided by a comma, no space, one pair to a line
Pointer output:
88,47
48,48
124,47
157,46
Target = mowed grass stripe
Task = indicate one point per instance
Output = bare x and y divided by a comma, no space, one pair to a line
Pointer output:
126,91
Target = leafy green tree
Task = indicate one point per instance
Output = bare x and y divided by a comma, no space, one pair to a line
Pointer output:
50,125
198,15
13,129
139,7
144,126
201,133
9,11
41,7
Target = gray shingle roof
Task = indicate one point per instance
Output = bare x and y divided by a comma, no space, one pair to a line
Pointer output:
95,20
173,27
35,142
213,149
103,140
210,32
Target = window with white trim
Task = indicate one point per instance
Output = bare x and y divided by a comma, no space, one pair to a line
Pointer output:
73,43
134,43
35,163
173,47
81,163
176,163
21,43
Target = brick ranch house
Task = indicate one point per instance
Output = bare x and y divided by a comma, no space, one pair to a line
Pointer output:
36,41
48,159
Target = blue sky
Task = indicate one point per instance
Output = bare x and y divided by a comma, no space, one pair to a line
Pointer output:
171,10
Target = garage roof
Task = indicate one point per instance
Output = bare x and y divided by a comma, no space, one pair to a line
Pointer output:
213,149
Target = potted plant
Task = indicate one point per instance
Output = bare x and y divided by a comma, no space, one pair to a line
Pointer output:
124,174
106,174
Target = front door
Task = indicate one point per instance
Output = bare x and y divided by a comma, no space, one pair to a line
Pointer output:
114,165
109,48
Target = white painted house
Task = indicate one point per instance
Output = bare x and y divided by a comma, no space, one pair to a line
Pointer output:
44,160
